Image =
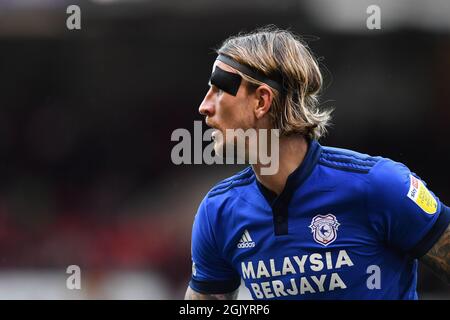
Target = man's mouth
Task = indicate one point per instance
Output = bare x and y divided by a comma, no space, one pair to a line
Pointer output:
217,132
209,124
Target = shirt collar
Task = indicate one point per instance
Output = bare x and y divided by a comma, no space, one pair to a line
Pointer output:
296,178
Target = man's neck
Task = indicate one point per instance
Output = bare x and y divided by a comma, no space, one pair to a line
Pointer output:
292,152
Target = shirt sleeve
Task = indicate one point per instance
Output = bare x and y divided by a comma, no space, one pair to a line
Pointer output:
211,273
403,212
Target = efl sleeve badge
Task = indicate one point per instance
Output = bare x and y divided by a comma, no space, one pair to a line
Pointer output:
422,196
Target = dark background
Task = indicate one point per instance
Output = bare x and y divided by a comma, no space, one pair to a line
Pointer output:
86,118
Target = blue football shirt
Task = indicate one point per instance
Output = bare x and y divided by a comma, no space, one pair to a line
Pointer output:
346,226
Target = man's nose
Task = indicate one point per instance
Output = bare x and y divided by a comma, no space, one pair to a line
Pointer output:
207,106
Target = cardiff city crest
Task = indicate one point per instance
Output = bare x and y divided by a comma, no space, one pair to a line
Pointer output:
324,228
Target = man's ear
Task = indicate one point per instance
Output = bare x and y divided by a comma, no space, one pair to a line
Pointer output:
264,95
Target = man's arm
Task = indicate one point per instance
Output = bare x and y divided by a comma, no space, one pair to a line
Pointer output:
438,258
194,295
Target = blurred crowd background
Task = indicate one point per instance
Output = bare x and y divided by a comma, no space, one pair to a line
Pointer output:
86,118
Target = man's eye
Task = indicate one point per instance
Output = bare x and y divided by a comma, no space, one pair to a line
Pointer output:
217,90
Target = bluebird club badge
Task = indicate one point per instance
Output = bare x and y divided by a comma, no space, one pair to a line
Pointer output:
324,228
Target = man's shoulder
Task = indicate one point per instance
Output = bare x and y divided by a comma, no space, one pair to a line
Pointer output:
221,199
229,185
348,160
380,173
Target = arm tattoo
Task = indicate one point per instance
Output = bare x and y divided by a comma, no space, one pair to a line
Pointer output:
193,295
438,258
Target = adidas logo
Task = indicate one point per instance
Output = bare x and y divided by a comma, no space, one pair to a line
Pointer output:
246,241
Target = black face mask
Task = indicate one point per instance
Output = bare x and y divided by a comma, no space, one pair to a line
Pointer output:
226,81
